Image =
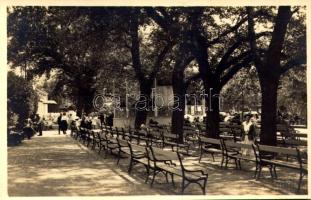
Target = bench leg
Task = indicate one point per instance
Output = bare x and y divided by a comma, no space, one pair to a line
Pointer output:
94,144
236,163
153,177
259,172
172,176
213,157
200,156
256,170
119,156
274,170
166,177
106,152
130,166
299,182
271,171
99,148
227,160
148,173
182,186
222,161
204,187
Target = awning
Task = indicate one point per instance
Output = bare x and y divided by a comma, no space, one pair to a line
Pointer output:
50,102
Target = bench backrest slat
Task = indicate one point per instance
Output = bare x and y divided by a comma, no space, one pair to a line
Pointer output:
210,140
136,147
296,142
279,150
158,152
122,142
229,143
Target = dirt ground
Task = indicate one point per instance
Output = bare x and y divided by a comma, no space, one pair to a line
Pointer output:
58,165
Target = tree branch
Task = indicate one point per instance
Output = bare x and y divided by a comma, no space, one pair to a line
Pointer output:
221,68
278,35
292,63
192,78
232,29
160,58
157,18
233,70
224,64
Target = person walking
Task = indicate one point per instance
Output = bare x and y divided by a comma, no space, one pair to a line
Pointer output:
27,129
64,123
70,119
40,125
59,119
248,136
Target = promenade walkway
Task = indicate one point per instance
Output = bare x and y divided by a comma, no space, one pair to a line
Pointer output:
57,165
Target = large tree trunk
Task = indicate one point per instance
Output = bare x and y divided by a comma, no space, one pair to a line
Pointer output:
269,71
269,87
142,107
212,112
84,103
80,106
179,90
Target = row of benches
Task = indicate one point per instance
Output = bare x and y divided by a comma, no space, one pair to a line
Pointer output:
156,160
262,156
153,137
229,150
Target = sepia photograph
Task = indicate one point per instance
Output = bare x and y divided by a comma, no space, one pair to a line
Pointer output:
160,101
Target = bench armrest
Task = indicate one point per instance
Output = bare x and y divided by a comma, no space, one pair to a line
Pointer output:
198,170
169,162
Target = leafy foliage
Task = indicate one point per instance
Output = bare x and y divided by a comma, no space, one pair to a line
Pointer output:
22,99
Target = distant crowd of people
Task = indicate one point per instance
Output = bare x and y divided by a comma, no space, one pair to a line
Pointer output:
33,125
66,122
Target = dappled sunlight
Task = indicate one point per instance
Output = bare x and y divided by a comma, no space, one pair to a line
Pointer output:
57,165
54,165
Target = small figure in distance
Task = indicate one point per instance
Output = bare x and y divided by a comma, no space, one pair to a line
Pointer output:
40,125
64,123
59,120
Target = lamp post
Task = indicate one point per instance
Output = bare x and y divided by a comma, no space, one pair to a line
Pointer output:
126,99
114,99
154,96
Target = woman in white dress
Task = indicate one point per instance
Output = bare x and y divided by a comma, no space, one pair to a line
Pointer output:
248,133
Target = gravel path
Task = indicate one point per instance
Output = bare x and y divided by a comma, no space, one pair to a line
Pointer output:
57,165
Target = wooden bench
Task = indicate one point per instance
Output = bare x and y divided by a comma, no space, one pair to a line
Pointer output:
172,141
299,136
111,144
271,157
233,150
102,141
190,134
155,137
295,143
122,147
137,155
210,146
285,131
162,161
84,135
96,138
15,138
225,131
